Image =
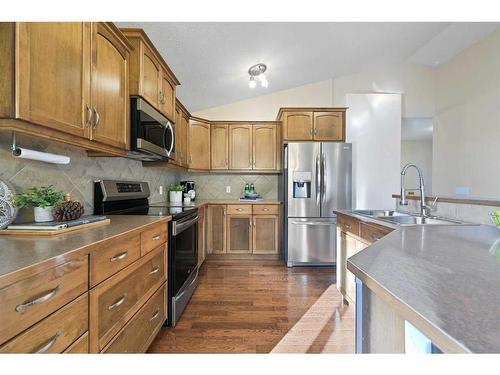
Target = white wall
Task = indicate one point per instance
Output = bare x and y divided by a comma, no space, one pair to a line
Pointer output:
419,153
266,107
466,147
374,129
416,83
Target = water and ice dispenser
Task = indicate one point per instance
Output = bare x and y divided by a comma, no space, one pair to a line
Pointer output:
302,184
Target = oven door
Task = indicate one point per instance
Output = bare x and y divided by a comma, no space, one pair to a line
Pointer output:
151,132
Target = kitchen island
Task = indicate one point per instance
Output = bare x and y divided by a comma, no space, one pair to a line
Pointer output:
442,279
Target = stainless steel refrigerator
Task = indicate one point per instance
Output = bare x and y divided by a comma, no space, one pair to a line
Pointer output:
317,180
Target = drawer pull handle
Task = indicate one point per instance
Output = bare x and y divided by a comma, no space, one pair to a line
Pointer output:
157,237
347,226
265,209
239,209
154,270
119,256
375,238
50,343
37,301
155,315
117,303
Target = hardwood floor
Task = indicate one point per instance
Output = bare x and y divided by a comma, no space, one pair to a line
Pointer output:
250,307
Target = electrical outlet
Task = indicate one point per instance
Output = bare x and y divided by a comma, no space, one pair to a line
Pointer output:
228,188
161,190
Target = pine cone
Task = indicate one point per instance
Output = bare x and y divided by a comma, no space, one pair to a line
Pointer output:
69,210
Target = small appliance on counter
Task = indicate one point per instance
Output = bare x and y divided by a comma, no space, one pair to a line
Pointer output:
189,189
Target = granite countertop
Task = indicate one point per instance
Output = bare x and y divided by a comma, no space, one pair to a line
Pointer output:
17,254
204,202
444,279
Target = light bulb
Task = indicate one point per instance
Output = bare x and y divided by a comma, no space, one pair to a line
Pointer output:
252,83
262,77
264,83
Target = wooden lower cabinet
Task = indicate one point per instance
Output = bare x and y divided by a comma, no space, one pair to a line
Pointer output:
216,229
141,329
55,333
80,346
243,229
265,234
116,300
239,234
201,236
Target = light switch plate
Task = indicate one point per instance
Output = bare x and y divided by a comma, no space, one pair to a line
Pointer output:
228,188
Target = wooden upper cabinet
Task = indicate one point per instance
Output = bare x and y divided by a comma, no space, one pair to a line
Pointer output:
298,126
199,145
167,97
240,147
150,76
329,126
53,75
184,140
265,147
110,100
219,146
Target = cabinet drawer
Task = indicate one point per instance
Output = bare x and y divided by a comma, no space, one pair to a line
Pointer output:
140,331
112,256
80,346
55,333
348,224
28,301
153,237
239,209
265,209
372,232
115,300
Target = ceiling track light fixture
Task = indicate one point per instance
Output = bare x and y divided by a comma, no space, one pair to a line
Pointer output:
257,71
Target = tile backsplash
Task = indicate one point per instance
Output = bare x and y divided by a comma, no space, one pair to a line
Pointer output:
78,176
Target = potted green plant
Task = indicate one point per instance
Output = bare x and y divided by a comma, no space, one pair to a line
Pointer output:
175,193
43,200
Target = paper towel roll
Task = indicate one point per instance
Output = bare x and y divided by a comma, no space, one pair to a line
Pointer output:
25,153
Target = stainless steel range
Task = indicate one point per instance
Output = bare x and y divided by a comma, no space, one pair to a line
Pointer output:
131,198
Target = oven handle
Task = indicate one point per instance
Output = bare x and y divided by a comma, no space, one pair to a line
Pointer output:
186,288
179,227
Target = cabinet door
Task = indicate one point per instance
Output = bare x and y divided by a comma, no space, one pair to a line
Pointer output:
184,140
199,145
216,229
328,126
351,248
264,147
219,146
150,78
54,78
298,126
167,97
240,147
201,236
239,234
110,99
178,138
265,234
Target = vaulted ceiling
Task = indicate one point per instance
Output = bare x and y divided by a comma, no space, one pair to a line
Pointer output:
211,59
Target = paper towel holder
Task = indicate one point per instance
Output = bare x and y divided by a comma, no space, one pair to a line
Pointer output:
36,155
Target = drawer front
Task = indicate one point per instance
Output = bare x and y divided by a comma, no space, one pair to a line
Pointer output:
115,300
153,237
372,233
266,209
239,209
80,346
140,331
348,224
55,333
112,256
28,301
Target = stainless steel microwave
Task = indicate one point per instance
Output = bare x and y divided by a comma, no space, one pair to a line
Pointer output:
152,135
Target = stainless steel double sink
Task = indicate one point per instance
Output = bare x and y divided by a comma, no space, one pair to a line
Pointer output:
402,218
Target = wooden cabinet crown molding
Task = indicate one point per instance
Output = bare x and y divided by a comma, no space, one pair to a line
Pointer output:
308,109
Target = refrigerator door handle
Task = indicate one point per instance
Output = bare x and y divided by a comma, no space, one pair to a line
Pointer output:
323,179
318,178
